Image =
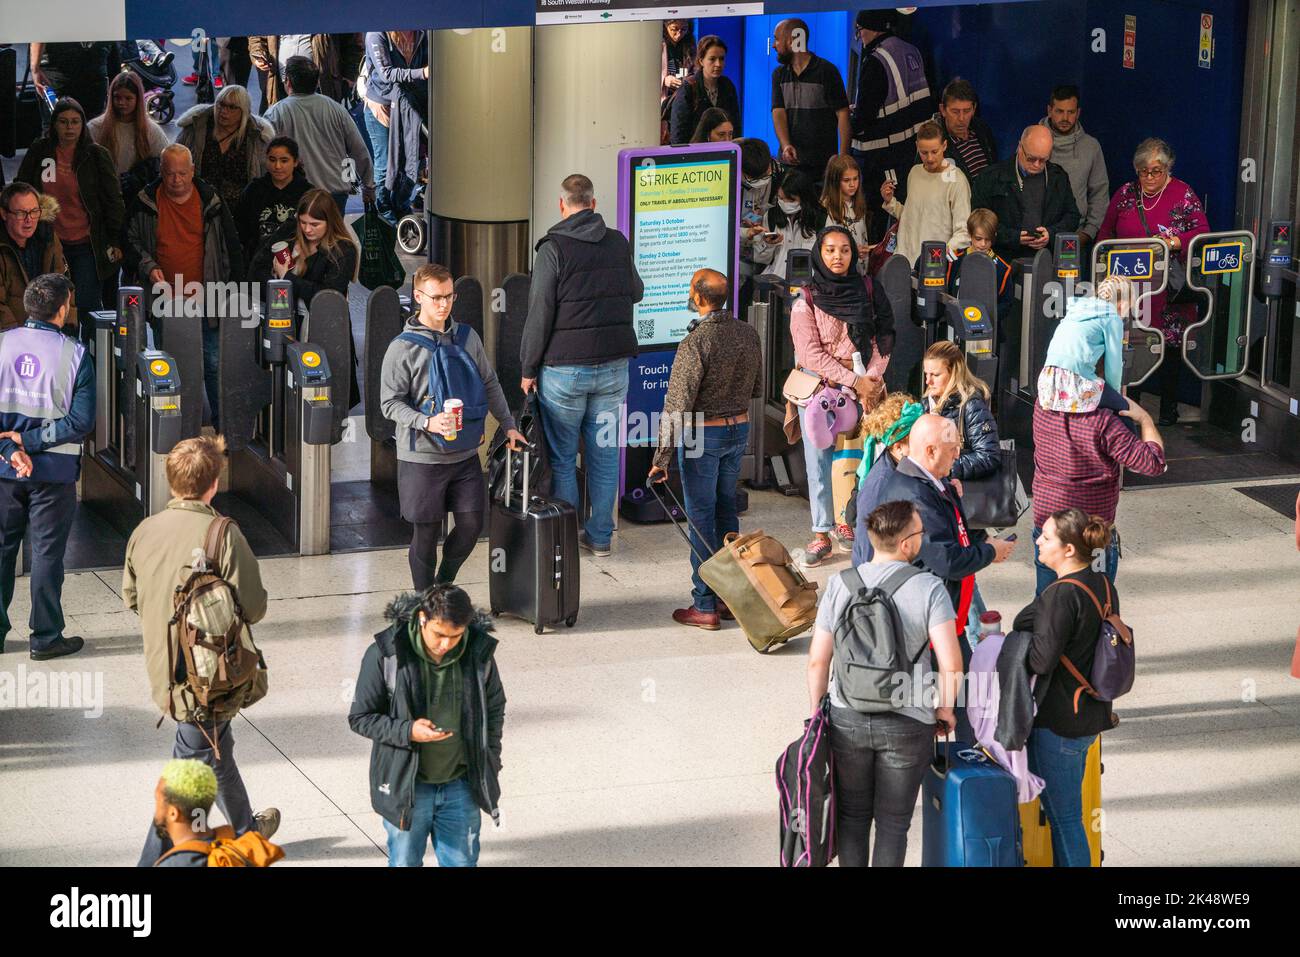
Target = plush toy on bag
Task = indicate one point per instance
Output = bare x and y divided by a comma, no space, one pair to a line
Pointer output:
832,410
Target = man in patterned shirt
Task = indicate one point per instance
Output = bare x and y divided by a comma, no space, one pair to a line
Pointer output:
1077,462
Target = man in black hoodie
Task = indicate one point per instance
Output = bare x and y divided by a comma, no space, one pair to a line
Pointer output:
430,698
577,340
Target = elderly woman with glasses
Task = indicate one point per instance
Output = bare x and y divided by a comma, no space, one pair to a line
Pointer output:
228,143
1158,204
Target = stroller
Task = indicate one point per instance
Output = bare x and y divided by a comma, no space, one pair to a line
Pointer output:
412,229
157,71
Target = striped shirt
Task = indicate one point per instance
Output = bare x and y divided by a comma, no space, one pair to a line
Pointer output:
973,157
1077,460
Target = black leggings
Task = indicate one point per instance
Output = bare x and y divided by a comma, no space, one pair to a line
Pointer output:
423,555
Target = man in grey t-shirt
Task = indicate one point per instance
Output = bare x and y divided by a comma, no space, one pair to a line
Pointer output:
881,757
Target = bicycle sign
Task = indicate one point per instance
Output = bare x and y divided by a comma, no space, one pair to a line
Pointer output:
1220,258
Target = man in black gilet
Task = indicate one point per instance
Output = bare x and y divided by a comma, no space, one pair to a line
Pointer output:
576,343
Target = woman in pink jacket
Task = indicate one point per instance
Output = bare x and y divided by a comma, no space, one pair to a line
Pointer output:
1157,204
840,313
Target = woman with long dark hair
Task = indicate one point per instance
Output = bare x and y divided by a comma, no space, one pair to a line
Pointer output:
91,211
715,126
791,224
325,255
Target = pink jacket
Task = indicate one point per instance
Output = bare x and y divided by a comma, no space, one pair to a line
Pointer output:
821,341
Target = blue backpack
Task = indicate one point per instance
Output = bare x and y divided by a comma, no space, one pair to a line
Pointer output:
453,375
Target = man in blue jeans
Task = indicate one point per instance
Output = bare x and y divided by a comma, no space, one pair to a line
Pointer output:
430,699
576,343
717,373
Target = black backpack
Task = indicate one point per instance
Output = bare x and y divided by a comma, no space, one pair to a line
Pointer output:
805,783
870,649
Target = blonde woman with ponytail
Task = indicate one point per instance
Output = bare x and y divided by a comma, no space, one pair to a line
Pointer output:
951,390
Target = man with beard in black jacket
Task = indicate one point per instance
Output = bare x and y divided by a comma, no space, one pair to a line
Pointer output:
430,698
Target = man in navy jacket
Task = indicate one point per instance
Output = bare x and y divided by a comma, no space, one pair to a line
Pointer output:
947,550
47,407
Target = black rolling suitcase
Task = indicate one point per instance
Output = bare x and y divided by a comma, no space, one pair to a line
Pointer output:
532,555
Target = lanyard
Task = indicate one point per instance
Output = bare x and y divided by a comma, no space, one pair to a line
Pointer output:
967,583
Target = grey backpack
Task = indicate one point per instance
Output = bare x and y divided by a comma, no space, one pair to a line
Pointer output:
872,669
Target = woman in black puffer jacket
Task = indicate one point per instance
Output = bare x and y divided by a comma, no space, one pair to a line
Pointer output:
954,393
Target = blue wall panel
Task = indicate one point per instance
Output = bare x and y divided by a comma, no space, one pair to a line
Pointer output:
1015,54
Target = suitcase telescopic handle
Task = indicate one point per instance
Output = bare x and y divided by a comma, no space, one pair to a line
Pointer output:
654,490
510,474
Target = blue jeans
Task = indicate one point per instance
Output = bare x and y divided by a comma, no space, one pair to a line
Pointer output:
710,471
211,381
1046,576
1061,762
447,814
584,402
378,133
820,496
341,201
394,203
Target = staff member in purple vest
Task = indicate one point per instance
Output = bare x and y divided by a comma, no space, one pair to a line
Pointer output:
47,406
893,100
577,339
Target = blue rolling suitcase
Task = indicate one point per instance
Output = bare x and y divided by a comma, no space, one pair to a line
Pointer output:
969,813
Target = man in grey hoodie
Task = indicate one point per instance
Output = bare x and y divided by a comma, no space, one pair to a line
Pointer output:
433,476
1080,155
577,339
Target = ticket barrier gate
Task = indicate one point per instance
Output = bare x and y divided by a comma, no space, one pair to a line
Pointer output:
970,317
1221,269
1280,368
279,419
139,418
1045,284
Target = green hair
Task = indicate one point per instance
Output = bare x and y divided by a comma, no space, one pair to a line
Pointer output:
189,785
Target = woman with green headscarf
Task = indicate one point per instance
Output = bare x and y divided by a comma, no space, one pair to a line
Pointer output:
887,427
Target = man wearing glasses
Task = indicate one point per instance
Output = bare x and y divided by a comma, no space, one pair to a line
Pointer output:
28,248
438,470
1031,195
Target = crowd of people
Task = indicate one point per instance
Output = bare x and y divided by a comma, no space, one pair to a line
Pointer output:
851,181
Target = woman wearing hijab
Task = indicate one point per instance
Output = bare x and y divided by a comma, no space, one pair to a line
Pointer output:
840,313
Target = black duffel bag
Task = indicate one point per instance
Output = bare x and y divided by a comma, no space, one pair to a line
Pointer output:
530,426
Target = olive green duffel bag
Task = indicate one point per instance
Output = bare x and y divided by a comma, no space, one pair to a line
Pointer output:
755,576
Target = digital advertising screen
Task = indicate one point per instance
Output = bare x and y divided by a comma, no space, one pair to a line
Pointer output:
678,208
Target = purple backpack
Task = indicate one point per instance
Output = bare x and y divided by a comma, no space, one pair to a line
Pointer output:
805,781
1115,662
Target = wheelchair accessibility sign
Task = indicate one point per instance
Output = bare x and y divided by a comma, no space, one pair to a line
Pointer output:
1133,263
1220,258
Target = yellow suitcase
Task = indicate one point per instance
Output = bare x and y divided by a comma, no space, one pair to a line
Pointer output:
1036,833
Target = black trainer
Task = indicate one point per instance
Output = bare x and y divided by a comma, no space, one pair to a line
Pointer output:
64,646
